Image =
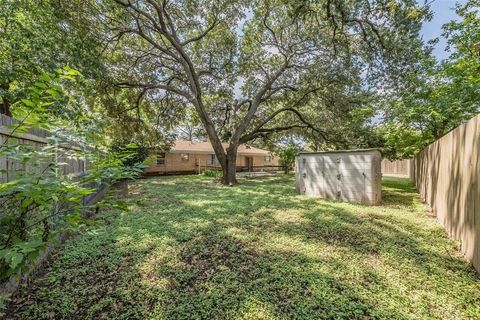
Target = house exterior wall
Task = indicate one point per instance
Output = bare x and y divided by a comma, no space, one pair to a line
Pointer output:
353,176
197,161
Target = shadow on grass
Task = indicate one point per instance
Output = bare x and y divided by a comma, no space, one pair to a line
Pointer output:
223,277
190,249
398,192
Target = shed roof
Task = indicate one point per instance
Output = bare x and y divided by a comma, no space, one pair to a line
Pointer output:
343,151
184,146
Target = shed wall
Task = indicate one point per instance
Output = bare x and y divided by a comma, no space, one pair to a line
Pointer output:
347,176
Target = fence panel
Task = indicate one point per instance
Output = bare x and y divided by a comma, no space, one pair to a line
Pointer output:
447,174
38,139
397,168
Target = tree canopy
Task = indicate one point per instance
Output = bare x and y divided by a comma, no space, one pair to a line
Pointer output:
440,95
247,71
251,69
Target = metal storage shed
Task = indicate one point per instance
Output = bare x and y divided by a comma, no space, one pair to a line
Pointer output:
353,176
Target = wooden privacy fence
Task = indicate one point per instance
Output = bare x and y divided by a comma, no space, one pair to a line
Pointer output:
39,139
447,176
397,168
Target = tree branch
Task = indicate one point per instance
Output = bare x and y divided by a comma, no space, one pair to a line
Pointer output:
259,130
154,86
202,34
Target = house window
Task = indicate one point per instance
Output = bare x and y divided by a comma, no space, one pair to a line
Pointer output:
267,158
212,160
161,158
184,156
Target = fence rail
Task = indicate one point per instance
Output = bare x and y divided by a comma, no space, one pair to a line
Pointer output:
247,168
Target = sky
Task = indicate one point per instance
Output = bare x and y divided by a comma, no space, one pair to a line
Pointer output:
443,12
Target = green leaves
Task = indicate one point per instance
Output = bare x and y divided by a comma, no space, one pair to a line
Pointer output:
11,257
18,255
287,155
438,96
39,201
28,103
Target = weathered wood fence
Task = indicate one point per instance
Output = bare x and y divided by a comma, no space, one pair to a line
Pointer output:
71,163
447,176
39,139
402,168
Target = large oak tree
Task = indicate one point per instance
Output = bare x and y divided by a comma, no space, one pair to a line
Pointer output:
243,65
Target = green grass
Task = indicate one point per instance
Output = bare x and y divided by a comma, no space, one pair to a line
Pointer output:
191,249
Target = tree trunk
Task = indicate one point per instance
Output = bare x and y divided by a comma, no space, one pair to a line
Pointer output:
229,168
5,106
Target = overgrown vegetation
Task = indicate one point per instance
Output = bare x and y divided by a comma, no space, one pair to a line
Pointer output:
39,202
190,249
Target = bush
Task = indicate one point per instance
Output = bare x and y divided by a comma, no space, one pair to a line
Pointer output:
212,173
39,204
131,153
287,157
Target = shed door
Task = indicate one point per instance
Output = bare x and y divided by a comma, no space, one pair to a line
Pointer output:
352,176
312,175
331,176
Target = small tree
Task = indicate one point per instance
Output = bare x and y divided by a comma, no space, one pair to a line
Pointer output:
287,157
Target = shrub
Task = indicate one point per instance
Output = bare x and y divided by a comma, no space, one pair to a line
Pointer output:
38,204
212,173
132,153
287,157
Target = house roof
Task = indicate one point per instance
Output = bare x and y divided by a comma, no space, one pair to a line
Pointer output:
183,146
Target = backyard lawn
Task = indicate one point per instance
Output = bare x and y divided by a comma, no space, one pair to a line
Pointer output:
189,248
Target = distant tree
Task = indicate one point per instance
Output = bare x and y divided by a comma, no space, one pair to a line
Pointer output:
287,156
438,96
190,128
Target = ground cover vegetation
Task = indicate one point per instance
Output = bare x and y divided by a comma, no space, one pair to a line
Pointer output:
185,250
